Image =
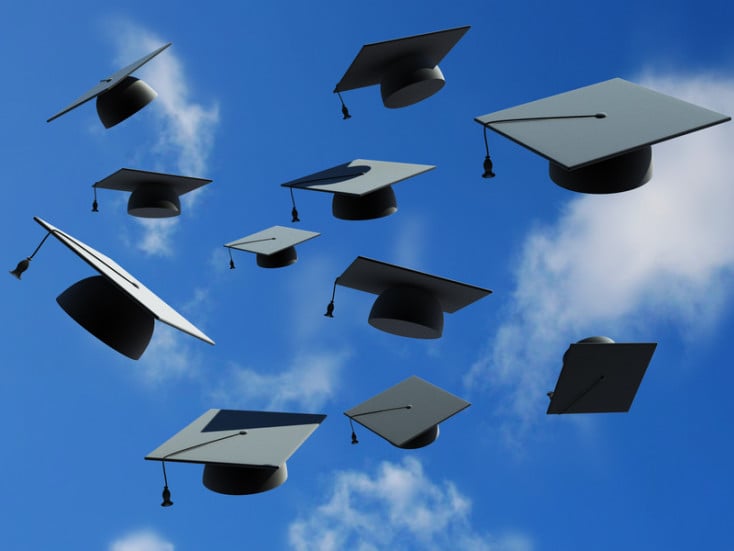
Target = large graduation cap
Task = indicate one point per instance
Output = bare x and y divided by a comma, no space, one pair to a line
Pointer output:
407,414
406,69
600,376
114,306
598,138
243,452
152,194
409,303
362,188
275,247
118,96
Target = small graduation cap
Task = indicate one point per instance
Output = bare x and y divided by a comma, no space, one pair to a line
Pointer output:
362,189
407,415
410,303
406,69
274,247
598,138
120,95
243,452
152,194
600,376
114,306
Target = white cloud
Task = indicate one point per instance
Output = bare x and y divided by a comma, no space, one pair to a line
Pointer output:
617,264
144,540
169,356
397,508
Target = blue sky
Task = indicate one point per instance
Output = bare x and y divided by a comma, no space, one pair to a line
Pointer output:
245,99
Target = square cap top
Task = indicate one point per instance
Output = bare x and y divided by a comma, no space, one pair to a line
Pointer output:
359,177
126,282
372,60
374,276
272,240
244,438
388,414
634,117
128,179
109,82
600,377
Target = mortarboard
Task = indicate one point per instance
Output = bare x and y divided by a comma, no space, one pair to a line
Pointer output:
362,189
600,376
407,415
410,303
120,95
274,247
152,194
243,452
114,306
406,69
598,138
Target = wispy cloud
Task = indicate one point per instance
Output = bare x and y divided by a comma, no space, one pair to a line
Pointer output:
144,540
398,508
617,264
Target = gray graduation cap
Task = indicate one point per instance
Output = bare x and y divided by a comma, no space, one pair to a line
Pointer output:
600,376
114,306
598,138
410,303
406,69
407,415
118,96
362,188
152,194
243,452
275,247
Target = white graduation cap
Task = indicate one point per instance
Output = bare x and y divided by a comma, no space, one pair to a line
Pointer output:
598,138
152,194
120,95
362,188
275,247
243,452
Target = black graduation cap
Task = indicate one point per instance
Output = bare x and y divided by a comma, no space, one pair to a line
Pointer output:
274,247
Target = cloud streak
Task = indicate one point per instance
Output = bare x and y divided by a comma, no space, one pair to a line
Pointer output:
144,540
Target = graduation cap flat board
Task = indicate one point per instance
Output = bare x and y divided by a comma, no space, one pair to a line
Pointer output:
407,415
598,138
406,69
114,306
243,452
152,194
410,303
118,96
362,188
600,376
274,247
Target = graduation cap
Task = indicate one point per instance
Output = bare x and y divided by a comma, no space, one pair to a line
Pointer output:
362,189
114,306
274,247
407,415
598,138
243,452
120,95
406,69
152,194
600,376
410,303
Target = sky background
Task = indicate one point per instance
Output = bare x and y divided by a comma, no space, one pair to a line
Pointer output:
245,99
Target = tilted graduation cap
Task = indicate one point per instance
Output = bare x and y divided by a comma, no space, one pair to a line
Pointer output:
407,415
120,95
114,306
243,452
600,376
406,69
362,188
598,138
274,247
410,303
152,194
